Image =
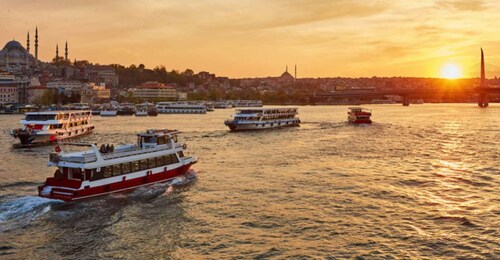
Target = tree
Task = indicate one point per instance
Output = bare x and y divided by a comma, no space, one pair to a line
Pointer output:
46,99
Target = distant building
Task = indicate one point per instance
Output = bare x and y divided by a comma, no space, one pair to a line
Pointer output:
13,89
154,90
14,57
91,93
67,88
101,73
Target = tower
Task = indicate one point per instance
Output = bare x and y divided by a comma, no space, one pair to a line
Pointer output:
295,71
28,42
36,44
57,52
483,96
66,51
286,70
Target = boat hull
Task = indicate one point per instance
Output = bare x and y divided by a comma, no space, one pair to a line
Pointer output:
72,190
108,113
27,139
360,121
257,125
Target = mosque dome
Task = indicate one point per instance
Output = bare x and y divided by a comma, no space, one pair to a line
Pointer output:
12,45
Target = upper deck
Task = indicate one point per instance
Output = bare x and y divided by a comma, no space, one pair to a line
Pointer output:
151,141
253,113
55,116
358,110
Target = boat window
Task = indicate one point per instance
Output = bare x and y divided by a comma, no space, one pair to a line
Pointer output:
144,164
125,168
161,140
116,170
160,161
173,158
152,162
181,154
135,166
98,174
76,173
108,171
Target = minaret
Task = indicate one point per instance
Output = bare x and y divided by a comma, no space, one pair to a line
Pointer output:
28,42
482,69
286,68
295,71
36,44
66,51
57,52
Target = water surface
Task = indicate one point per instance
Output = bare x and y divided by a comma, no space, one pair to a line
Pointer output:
421,182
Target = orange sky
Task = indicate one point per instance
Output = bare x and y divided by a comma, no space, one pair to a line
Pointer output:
253,38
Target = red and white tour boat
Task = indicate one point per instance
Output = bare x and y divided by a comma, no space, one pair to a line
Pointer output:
156,157
50,126
359,115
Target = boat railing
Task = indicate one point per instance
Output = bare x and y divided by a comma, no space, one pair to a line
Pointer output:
91,156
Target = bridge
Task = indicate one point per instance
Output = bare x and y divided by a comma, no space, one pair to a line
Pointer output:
482,91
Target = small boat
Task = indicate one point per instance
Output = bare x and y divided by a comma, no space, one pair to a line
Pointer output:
359,115
152,111
50,126
180,108
96,110
157,157
126,109
108,110
262,118
141,112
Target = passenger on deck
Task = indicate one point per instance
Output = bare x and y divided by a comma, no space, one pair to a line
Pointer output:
112,148
103,148
108,148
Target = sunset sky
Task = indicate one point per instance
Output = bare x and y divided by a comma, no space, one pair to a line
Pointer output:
252,38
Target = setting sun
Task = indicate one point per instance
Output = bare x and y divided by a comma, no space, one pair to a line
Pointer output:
451,71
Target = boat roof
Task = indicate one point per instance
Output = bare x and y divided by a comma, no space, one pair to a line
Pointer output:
159,132
267,109
55,112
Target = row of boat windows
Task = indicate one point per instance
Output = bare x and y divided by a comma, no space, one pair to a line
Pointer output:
158,140
65,126
55,117
122,168
279,123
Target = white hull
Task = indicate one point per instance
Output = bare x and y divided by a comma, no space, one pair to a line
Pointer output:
109,113
257,125
181,111
141,113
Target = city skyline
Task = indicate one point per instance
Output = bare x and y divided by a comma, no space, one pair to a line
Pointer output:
257,39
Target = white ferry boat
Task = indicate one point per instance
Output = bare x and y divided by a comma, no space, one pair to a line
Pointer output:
156,157
180,108
126,109
223,104
262,118
108,110
50,126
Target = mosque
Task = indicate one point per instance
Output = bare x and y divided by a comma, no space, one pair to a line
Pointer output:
15,57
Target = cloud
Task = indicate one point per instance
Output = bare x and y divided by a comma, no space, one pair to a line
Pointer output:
462,5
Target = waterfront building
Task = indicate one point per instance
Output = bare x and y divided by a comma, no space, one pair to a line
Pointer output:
67,88
91,93
154,90
13,89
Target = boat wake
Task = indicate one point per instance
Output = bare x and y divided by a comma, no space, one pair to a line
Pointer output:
23,210
169,187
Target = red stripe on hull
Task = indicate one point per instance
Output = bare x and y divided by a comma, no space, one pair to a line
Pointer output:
58,193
